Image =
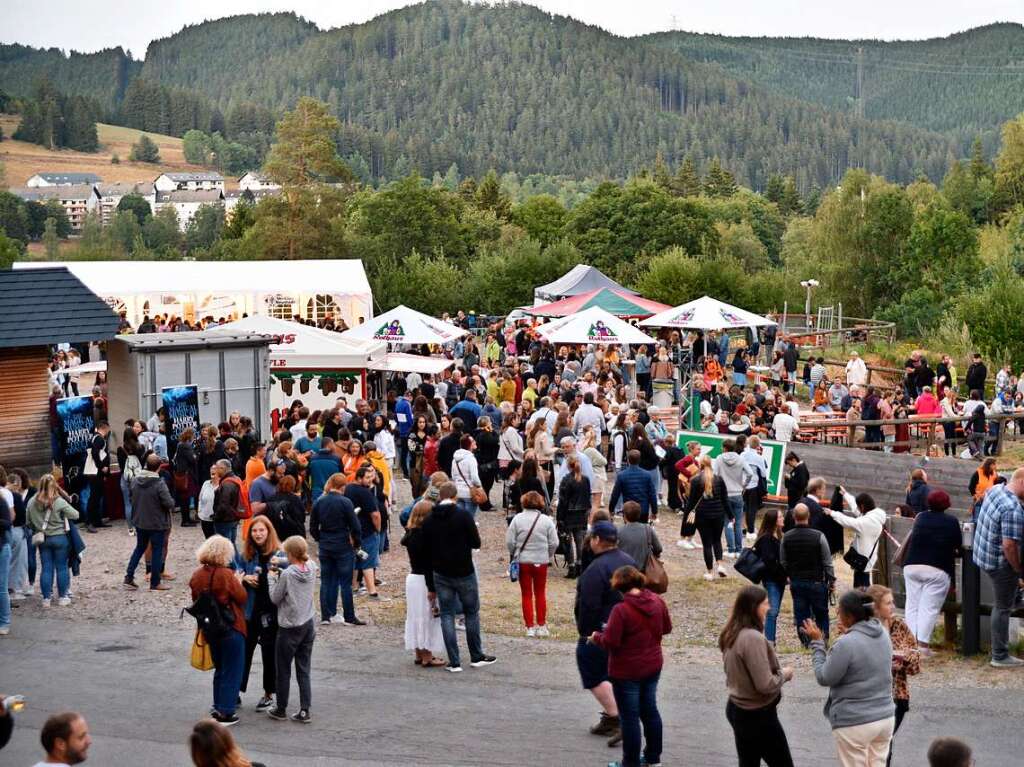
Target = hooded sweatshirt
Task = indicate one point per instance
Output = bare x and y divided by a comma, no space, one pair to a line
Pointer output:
292,592
858,671
151,502
734,471
632,636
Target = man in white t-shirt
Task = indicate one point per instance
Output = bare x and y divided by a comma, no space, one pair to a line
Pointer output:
298,429
66,740
784,425
856,371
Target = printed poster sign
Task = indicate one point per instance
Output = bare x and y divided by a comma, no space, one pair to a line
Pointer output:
774,454
390,331
76,424
182,405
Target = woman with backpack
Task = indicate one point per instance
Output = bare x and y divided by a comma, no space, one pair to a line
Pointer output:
286,510
260,547
218,595
130,456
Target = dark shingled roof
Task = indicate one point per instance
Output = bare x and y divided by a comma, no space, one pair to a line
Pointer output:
49,306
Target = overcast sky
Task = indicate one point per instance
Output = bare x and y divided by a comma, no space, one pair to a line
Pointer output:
97,24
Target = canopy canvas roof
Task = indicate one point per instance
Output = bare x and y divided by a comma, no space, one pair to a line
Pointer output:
582,278
403,325
706,313
304,348
592,326
396,362
621,303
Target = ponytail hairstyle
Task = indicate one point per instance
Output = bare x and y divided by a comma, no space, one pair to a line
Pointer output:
707,475
857,606
573,464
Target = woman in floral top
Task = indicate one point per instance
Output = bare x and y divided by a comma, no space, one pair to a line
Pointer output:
906,658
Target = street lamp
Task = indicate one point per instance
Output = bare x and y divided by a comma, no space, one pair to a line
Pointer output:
809,285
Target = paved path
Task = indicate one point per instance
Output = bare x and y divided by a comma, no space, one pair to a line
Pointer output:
372,707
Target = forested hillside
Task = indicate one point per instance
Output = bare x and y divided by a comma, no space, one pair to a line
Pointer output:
965,84
516,89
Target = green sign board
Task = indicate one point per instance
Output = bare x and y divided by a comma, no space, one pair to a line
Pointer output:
711,444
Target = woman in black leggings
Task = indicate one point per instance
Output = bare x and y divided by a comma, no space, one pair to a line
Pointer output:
708,501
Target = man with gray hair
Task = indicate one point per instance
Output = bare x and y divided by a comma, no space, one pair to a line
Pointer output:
568,445
226,500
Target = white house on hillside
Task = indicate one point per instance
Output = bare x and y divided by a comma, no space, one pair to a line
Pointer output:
110,195
254,180
251,196
189,182
78,200
187,203
61,179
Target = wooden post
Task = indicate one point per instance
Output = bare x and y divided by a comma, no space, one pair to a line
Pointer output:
999,436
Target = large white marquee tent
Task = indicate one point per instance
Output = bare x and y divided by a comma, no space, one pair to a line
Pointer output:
196,289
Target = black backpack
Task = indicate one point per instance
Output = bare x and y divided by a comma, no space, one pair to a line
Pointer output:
212,618
284,525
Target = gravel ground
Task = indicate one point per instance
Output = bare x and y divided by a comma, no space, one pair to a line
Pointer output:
698,607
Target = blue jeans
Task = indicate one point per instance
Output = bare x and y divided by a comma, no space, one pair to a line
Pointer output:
126,495
734,532
637,702
5,569
228,662
20,537
775,591
450,593
144,538
336,571
54,556
466,504
227,529
810,600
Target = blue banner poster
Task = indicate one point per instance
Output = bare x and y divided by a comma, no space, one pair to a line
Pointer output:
76,424
182,405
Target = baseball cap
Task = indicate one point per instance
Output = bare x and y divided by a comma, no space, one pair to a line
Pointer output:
606,531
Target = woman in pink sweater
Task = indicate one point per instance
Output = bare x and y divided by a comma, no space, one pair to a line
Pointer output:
632,638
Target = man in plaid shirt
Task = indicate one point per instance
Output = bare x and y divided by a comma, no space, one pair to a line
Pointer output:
997,550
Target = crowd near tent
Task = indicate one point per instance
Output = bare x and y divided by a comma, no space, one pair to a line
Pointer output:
313,290
621,303
580,279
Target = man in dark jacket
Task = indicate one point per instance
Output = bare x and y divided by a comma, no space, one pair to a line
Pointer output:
595,599
448,445
805,556
790,357
152,506
225,502
976,374
451,537
917,495
100,455
634,484
334,526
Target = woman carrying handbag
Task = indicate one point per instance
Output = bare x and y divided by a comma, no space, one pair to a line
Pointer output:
49,515
532,539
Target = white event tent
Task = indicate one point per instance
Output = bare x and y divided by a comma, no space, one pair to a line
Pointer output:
706,313
592,326
403,325
313,289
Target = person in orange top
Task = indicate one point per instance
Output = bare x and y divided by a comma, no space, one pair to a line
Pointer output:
712,370
352,460
256,465
982,480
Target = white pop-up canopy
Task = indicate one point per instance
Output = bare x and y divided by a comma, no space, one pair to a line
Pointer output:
403,325
304,348
592,326
706,313
396,362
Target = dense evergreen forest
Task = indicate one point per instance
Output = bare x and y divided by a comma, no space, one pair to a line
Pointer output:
516,89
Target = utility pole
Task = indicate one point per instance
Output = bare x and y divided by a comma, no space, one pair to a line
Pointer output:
860,82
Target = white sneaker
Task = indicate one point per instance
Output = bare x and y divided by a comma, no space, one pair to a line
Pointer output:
531,631
542,631
46,603
722,573
5,631
64,601
17,596
691,545
709,576
682,544
460,624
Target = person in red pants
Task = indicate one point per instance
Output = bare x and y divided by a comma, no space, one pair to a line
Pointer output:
532,539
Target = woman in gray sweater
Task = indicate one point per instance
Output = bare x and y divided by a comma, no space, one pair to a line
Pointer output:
858,673
531,540
292,591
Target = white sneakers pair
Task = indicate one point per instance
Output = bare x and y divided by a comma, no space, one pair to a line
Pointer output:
686,543
710,576
538,631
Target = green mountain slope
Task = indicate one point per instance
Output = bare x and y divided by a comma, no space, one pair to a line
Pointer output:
514,88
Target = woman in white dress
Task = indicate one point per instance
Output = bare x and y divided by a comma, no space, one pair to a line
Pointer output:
422,621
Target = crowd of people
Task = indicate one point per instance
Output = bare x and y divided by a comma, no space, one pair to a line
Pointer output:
574,451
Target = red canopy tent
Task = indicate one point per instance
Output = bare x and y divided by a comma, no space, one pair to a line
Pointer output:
619,303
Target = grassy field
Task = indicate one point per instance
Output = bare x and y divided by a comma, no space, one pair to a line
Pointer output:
21,160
